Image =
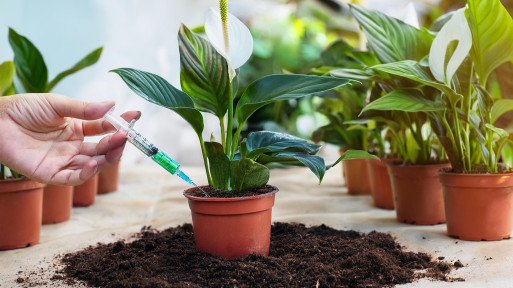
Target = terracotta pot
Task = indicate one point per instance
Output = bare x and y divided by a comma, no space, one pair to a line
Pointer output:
85,194
21,205
381,189
478,206
108,179
57,202
232,227
418,197
356,176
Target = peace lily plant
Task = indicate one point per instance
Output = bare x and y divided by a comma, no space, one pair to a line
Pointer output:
208,78
462,56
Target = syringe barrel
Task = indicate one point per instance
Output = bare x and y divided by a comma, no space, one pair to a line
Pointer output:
141,143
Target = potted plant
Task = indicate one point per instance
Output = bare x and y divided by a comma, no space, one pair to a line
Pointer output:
236,219
32,72
413,182
341,107
20,198
477,190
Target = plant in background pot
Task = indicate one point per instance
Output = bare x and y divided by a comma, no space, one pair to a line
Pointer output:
32,76
478,190
341,107
236,219
412,187
20,198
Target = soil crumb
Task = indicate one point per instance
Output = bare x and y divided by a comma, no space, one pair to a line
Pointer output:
299,256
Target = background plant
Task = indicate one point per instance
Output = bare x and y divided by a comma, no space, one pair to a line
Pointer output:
464,114
209,83
28,74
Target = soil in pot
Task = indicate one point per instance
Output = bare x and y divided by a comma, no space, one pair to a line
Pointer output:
57,203
478,206
381,189
318,256
21,205
232,226
418,197
356,176
108,179
85,194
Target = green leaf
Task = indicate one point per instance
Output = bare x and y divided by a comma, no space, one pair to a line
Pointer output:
353,154
271,142
6,77
219,165
412,147
247,174
314,163
30,65
401,100
391,39
338,54
503,134
157,90
273,88
500,107
204,73
85,62
492,36
357,74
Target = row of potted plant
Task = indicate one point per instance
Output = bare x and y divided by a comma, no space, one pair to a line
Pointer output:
25,204
433,89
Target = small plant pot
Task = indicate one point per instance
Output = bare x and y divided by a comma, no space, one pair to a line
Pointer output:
57,203
418,197
356,176
21,206
232,227
85,194
381,189
478,206
108,179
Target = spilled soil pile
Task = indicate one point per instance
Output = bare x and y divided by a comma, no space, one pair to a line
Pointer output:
299,257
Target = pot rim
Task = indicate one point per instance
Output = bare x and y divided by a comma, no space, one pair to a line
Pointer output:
448,173
26,184
403,165
233,199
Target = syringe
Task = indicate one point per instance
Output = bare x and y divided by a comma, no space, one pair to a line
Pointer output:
147,148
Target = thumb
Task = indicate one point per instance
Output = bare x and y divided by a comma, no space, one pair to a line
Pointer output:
68,107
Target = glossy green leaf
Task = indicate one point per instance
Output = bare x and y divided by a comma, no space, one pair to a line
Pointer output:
273,88
500,107
412,147
157,90
492,36
401,100
30,65
357,74
456,29
85,62
353,154
6,77
204,73
219,165
314,163
503,134
271,142
247,174
391,39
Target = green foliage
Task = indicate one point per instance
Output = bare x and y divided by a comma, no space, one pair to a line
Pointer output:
236,163
6,78
31,68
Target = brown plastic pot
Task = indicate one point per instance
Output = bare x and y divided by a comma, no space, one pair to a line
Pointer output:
356,176
381,189
21,205
478,206
418,197
108,179
57,203
85,194
232,227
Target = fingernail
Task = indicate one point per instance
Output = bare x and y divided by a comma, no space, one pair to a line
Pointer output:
140,114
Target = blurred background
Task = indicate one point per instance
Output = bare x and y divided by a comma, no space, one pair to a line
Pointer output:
289,37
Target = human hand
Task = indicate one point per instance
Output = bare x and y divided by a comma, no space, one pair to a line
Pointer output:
38,140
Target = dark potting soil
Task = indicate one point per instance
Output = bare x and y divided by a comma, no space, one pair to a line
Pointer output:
299,257
230,194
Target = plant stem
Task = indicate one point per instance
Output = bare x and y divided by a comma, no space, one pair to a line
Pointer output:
223,136
236,140
229,128
205,161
